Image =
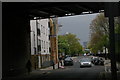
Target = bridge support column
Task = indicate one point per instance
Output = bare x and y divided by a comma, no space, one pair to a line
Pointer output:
16,41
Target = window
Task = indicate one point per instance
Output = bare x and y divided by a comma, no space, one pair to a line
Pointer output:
39,42
39,45
44,44
38,32
39,48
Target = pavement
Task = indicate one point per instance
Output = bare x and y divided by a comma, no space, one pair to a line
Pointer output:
35,73
56,66
106,75
51,67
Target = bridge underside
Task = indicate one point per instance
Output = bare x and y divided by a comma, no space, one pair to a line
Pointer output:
16,28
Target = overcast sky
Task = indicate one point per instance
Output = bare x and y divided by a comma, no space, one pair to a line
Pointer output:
78,25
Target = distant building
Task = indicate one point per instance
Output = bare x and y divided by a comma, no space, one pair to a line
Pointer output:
67,33
85,44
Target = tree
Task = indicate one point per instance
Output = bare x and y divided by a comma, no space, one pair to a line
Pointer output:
117,25
69,44
117,33
62,43
99,32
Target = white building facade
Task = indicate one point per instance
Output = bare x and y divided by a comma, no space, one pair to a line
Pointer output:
40,42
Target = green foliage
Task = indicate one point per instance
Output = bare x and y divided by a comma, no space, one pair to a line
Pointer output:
69,44
100,33
117,25
117,31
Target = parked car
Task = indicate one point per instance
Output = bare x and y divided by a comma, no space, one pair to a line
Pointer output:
93,59
68,61
67,56
101,61
97,61
85,62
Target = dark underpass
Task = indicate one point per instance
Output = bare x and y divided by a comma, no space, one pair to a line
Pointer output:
16,35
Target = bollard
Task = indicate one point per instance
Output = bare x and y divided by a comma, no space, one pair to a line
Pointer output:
58,64
61,62
53,64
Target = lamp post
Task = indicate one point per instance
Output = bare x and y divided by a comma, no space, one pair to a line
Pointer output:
104,48
59,26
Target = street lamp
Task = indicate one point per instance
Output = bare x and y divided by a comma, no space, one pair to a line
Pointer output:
104,50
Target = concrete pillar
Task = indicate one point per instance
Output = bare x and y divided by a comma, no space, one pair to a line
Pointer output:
16,41
111,6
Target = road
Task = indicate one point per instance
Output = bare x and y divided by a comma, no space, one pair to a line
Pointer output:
74,72
68,73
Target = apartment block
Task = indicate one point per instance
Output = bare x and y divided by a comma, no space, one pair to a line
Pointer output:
40,42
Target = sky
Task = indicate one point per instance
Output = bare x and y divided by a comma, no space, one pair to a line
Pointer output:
78,25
